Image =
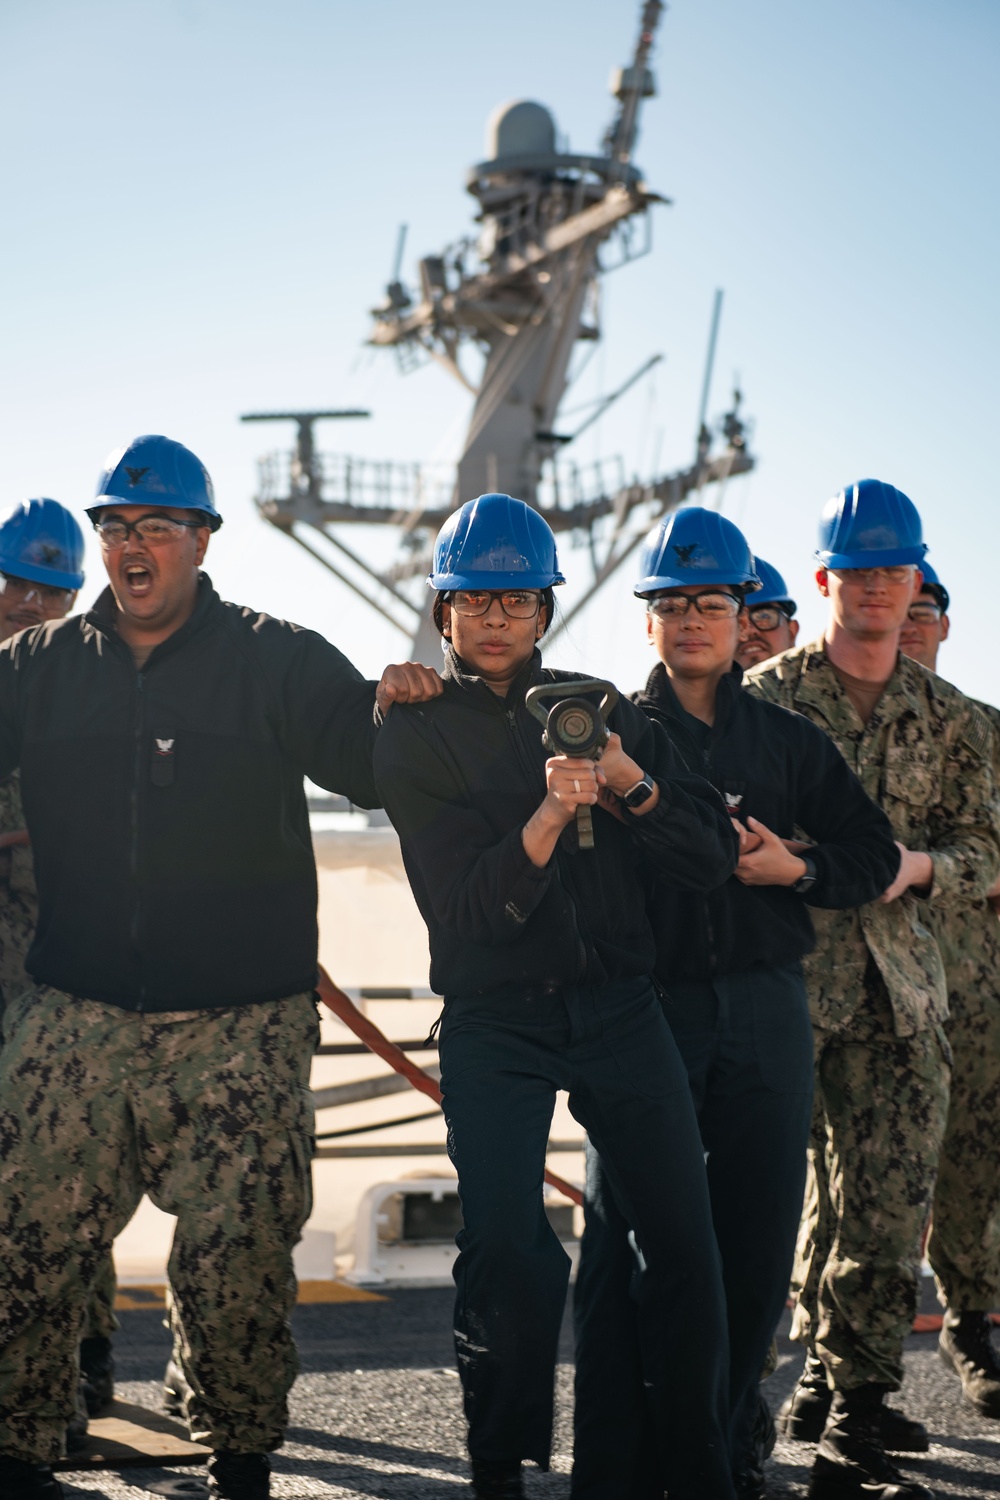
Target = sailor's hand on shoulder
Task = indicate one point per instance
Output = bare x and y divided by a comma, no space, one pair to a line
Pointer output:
407,682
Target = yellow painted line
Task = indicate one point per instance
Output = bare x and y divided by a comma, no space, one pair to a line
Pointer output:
128,1298
335,1291
134,1298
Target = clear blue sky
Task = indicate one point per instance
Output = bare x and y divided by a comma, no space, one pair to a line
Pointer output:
200,202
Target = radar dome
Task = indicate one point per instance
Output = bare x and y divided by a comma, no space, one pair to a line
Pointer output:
521,128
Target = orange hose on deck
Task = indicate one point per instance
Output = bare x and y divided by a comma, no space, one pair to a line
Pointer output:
366,1031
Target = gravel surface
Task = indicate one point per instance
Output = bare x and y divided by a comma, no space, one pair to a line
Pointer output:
376,1412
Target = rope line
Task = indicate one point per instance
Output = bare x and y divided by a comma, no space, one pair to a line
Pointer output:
366,1031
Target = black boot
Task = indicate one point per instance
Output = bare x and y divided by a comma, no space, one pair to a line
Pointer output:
496,1481
804,1415
748,1478
851,1463
966,1346
22,1481
764,1433
76,1427
239,1476
97,1370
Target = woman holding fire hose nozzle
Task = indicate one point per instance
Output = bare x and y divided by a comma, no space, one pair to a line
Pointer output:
729,968
542,949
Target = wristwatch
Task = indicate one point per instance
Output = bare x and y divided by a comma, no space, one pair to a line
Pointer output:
805,882
639,795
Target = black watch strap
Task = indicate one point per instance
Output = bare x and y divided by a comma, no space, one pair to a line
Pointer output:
639,795
808,880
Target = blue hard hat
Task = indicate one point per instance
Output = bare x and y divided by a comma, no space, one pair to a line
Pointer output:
695,546
774,589
156,471
933,585
41,540
495,542
870,525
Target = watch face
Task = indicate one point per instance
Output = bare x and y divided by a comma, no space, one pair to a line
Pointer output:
637,795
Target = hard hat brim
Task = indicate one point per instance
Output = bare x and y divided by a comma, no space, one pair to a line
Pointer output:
891,557
53,577
646,587
445,583
212,518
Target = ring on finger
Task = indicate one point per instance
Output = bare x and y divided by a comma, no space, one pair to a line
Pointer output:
576,786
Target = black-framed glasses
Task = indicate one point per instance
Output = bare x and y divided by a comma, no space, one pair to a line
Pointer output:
925,613
714,604
47,594
154,530
517,604
767,617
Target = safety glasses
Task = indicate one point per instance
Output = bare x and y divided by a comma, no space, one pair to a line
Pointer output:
712,603
518,604
155,531
23,589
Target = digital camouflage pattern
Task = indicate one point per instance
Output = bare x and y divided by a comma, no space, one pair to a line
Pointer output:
964,1247
18,897
879,1002
925,758
210,1113
18,915
881,1105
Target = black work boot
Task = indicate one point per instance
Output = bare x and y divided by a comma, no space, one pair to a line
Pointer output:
763,1433
76,1427
851,1463
748,1478
804,1415
23,1481
97,1371
239,1476
966,1346
496,1481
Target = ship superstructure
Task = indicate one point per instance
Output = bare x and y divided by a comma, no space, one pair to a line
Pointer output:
516,298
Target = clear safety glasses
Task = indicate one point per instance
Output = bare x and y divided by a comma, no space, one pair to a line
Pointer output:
925,614
155,531
862,577
23,589
518,604
713,604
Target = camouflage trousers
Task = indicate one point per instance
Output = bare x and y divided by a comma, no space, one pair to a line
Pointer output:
879,1116
209,1112
964,1246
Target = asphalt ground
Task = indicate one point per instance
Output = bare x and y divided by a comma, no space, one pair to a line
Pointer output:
376,1412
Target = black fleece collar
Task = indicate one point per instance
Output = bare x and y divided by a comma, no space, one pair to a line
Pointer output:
478,691
103,615
659,694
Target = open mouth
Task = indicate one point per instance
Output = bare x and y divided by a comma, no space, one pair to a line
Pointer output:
138,580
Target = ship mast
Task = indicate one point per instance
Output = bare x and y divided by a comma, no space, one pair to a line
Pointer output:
516,298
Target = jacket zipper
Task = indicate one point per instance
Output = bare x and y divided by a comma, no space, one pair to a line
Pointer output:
531,773
695,752
134,856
